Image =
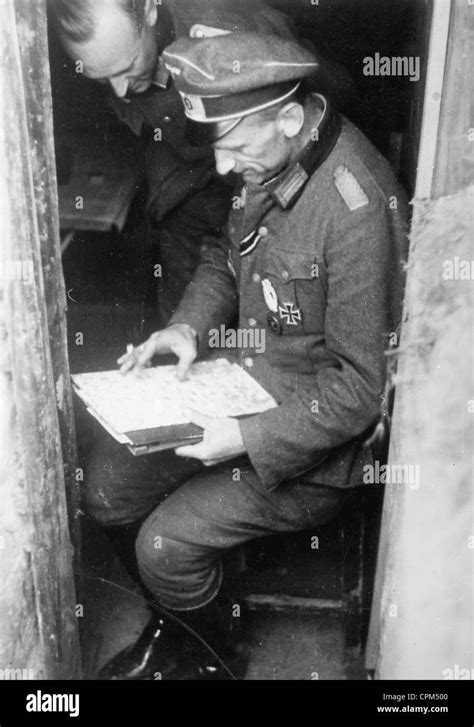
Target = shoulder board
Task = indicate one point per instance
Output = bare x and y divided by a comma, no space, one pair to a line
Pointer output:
349,189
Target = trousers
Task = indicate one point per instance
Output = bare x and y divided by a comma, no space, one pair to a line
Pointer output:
194,515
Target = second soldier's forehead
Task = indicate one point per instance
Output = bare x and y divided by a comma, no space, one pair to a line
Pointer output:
112,49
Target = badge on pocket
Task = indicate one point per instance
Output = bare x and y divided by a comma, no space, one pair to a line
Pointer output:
270,295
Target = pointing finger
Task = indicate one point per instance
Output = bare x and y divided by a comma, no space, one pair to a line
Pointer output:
186,353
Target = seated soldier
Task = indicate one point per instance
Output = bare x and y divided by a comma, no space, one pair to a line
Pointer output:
313,257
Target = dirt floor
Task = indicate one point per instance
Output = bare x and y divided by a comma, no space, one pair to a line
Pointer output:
289,646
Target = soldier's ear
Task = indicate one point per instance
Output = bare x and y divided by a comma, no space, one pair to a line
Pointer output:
151,12
290,119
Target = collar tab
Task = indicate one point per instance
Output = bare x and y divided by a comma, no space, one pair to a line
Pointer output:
162,75
287,188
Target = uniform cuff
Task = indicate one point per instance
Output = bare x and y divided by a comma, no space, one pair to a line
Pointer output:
256,447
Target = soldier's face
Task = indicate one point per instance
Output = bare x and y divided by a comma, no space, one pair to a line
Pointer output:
254,149
117,54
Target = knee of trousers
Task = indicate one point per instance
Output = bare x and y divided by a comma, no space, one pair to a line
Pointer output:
99,498
108,494
182,575
100,508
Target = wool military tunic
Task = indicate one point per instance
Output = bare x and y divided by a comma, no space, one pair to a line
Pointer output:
325,281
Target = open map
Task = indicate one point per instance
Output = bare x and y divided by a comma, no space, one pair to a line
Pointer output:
129,403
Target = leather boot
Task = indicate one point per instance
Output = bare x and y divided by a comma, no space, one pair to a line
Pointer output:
157,654
167,650
220,628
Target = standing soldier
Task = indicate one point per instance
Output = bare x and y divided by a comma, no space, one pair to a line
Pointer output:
314,258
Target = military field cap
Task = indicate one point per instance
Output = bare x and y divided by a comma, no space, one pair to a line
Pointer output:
224,78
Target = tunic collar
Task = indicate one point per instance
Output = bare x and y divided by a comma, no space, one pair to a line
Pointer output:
288,186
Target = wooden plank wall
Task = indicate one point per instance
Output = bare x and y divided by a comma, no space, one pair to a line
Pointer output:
38,625
33,43
421,623
454,168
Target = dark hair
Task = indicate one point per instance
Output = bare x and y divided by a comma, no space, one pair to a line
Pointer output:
75,19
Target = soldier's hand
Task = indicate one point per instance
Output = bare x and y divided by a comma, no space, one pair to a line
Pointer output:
222,440
179,339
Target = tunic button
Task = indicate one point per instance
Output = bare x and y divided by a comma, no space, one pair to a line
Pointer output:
263,231
285,274
167,119
248,362
252,322
274,323
256,278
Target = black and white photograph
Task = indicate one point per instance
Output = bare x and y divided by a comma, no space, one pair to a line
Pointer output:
237,352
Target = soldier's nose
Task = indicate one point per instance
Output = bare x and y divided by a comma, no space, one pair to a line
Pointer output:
119,85
225,162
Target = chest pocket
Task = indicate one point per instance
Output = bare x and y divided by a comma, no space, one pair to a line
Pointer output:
293,289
